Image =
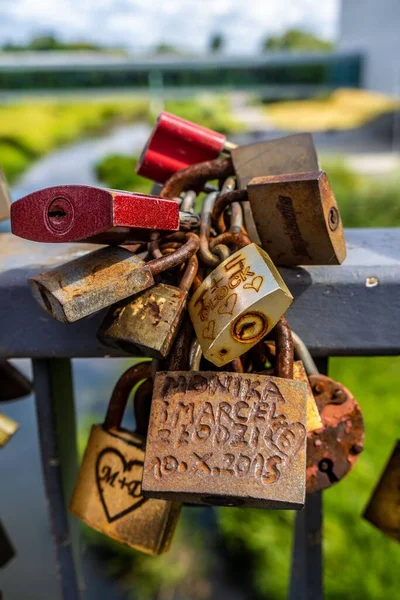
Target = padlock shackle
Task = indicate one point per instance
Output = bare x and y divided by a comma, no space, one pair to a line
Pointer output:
188,201
224,201
190,247
284,349
231,239
189,274
122,389
197,175
302,353
142,405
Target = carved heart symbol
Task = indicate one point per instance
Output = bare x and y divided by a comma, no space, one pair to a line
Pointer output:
209,331
119,483
255,284
227,307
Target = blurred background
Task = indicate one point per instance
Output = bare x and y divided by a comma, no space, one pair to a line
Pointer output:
80,85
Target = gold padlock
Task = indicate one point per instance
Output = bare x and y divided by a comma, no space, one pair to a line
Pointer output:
108,495
150,321
383,509
229,439
7,429
238,304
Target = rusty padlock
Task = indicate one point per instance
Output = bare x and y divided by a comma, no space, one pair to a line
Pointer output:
101,278
229,439
150,321
107,495
333,450
176,143
383,509
238,304
289,154
8,428
5,201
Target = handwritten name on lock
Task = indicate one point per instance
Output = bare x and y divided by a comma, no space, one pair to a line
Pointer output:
226,284
224,426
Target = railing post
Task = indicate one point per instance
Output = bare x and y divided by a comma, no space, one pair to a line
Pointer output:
57,440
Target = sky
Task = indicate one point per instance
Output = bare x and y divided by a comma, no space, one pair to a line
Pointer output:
141,24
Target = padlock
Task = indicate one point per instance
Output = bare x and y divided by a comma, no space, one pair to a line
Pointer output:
229,439
107,495
176,143
5,201
383,509
13,383
101,278
8,427
150,321
7,551
333,450
238,304
297,219
72,213
290,154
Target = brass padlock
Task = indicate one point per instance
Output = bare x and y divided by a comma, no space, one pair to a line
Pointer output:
107,495
229,439
5,201
333,450
237,304
289,154
297,219
150,321
97,280
383,509
8,428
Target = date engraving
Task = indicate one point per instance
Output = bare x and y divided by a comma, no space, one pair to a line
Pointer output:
207,428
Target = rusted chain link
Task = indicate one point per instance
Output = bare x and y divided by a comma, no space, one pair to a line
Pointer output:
197,175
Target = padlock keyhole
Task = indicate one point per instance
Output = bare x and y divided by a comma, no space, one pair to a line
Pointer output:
57,215
326,466
60,215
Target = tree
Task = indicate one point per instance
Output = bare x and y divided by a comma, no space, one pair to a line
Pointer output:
217,42
297,40
165,48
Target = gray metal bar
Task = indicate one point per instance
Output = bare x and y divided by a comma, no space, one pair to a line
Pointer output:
351,303
57,437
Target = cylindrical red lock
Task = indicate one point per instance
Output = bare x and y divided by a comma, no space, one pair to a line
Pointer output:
175,144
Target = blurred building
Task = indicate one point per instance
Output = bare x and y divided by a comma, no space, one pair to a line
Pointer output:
372,28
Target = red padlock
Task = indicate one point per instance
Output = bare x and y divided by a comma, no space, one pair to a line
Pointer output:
72,213
174,144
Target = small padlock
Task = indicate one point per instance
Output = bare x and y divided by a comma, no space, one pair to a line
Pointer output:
7,551
149,322
229,439
73,213
8,428
297,219
238,304
107,495
333,450
383,509
176,143
101,278
5,201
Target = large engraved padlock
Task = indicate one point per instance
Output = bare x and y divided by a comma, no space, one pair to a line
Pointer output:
297,219
101,278
383,509
238,304
333,450
150,321
230,439
107,495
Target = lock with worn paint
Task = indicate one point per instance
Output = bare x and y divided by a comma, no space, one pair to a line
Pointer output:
5,201
176,143
238,304
333,450
229,439
383,509
108,495
297,219
101,278
150,321
8,428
